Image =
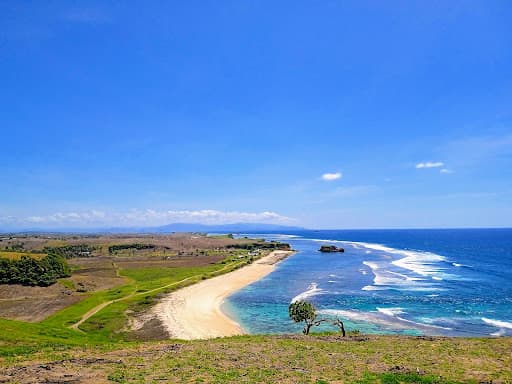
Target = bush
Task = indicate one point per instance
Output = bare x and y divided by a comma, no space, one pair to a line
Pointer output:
29,271
69,251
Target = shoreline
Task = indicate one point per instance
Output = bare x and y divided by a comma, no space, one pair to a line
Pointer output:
195,312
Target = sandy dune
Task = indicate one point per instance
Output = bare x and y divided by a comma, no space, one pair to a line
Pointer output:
194,312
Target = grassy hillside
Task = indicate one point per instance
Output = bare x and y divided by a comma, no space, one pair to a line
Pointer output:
271,359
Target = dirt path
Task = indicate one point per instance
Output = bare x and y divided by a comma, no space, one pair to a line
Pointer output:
86,316
89,314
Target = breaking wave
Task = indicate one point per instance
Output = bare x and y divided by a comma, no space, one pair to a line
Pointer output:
312,290
497,323
386,279
386,318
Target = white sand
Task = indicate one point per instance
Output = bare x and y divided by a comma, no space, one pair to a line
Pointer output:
194,312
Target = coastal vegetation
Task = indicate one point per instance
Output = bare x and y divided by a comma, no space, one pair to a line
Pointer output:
32,271
136,246
303,311
273,245
70,251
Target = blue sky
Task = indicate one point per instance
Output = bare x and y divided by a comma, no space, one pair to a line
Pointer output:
144,113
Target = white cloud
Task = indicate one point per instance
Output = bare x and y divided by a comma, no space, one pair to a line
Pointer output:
332,176
147,217
445,170
430,164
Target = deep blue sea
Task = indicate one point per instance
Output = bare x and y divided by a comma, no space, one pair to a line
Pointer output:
453,282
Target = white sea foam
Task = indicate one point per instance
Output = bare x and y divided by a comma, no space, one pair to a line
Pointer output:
391,311
269,235
497,323
421,263
386,279
326,241
371,264
389,321
499,333
331,281
372,288
312,290
458,265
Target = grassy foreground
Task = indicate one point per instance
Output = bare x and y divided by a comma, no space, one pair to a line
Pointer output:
272,359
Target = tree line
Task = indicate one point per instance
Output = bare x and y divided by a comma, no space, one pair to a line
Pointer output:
266,245
70,251
29,271
137,246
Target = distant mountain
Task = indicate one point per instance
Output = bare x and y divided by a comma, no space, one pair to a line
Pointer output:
236,227
169,228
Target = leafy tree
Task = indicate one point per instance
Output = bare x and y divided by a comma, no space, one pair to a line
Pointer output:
303,311
70,251
29,271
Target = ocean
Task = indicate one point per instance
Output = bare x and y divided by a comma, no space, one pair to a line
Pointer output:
449,282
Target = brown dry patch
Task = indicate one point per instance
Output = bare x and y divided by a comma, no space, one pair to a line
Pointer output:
95,274
151,329
83,370
34,304
177,241
176,261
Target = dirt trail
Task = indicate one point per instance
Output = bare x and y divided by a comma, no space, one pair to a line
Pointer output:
89,314
86,316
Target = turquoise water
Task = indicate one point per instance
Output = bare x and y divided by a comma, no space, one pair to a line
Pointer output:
455,282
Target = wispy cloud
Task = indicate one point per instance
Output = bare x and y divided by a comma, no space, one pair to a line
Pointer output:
430,164
445,170
332,176
147,217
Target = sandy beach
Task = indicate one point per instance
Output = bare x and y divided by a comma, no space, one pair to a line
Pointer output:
194,312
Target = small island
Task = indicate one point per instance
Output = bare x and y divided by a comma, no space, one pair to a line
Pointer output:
331,248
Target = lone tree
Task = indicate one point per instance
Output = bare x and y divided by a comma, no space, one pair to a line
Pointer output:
303,311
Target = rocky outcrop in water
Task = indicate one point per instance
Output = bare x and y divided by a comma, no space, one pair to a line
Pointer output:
331,248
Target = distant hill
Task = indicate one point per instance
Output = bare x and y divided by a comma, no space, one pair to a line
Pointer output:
236,227
169,228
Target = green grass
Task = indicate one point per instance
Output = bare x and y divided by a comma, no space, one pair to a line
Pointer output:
401,378
147,284
141,290
66,283
288,359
